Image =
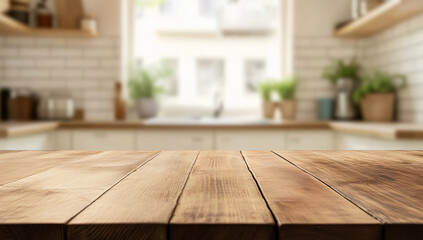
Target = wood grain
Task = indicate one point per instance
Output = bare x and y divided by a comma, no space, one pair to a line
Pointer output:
386,184
304,207
221,201
16,129
9,26
386,15
141,205
18,165
289,125
69,13
45,202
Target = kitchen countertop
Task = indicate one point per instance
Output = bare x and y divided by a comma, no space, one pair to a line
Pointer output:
380,130
367,195
15,129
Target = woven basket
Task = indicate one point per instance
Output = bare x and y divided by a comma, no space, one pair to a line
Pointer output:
378,107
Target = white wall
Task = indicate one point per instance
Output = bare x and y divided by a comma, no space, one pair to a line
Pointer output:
87,68
400,50
315,46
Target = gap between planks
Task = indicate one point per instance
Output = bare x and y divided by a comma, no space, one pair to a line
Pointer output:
117,182
262,195
179,196
334,189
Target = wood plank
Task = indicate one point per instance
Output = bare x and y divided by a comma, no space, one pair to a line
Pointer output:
16,129
45,202
221,201
386,184
306,208
189,124
386,15
9,26
69,13
18,165
141,205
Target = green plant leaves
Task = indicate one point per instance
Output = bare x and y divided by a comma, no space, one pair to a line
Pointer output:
143,83
379,82
341,69
285,88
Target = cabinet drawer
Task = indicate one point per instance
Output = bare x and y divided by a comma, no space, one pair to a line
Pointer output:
310,140
174,140
250,140
103,140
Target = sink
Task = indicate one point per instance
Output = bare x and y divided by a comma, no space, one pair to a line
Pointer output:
206,121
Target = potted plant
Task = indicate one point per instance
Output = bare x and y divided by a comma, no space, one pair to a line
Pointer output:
344,75
268,106
143,89
376,95
286,91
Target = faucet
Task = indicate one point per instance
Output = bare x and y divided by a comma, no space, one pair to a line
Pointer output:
218,103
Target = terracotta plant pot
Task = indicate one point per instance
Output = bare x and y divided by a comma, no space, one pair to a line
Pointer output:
378,107
268,108
288,109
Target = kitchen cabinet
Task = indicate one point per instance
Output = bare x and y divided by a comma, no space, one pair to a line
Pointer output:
174,140
356,142
310,140
103,139
250,139
38,141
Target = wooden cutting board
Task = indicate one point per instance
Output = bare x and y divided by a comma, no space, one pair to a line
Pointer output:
69,13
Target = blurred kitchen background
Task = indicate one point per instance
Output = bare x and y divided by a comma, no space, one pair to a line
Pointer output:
211,74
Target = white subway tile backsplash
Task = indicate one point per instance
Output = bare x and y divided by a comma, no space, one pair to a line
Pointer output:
8,51
50,63
34,52
86,68
66,52
99,52
34,73
19,41
18,62
82,63
49,42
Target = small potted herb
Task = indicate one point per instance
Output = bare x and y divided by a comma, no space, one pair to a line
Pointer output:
268,106
345,75
376,95
143,88
286,91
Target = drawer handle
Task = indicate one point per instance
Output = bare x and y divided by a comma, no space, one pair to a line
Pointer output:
100,135
197,139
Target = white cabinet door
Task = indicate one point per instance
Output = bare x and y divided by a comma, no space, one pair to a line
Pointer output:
174,140
310,140
85,139
63,139
356,142
39,141
250,140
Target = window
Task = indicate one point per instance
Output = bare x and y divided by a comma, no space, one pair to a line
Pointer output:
210,76
171,83
255,72
205,62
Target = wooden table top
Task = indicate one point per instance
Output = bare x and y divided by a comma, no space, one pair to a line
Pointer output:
289,195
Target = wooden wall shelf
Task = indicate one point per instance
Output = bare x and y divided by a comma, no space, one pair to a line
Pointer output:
381,18
9,26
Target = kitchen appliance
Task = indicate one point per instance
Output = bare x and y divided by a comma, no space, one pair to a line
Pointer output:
59,107
5,94
22,104
345,109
